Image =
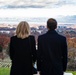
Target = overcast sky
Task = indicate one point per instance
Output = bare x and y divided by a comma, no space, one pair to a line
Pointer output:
64,11
37,3
37,8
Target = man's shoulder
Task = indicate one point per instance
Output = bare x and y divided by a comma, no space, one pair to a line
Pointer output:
42,37
61,36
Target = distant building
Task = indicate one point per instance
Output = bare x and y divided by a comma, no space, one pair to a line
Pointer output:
41,27
61,27
33,29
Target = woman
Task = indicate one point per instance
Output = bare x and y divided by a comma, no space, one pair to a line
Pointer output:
22,50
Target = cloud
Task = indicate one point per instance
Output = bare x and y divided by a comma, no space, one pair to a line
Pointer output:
35,3
59,9
37,8
40,20
39,12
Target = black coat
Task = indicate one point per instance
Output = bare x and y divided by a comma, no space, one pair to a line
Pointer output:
52,53
21,53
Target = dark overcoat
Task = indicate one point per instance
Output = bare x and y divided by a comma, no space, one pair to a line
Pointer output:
52,53
21,55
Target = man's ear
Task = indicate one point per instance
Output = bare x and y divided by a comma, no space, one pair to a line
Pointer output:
47,27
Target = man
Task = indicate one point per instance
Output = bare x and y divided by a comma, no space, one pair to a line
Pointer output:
52,51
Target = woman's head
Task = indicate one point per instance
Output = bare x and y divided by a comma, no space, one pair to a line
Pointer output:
23,30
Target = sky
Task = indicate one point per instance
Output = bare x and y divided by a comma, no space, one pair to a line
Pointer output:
58,9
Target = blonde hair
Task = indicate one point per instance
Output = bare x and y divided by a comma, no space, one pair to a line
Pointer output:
23,30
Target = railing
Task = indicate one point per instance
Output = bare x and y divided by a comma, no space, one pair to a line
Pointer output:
5,63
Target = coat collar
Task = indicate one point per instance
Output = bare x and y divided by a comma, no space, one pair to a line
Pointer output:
52,32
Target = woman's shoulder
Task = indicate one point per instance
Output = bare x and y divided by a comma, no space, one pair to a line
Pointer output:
13,37
31,36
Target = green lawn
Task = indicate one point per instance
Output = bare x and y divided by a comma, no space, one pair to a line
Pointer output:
6,71
73,72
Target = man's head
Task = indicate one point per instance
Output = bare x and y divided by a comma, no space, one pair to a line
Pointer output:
51,24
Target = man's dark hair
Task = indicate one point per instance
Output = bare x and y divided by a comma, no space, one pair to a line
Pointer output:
52,24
